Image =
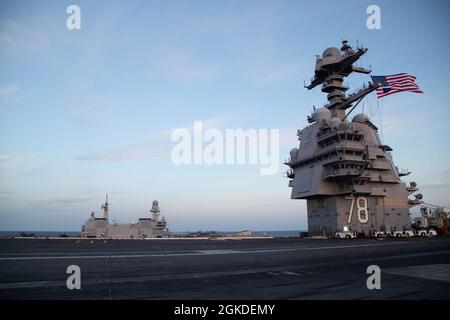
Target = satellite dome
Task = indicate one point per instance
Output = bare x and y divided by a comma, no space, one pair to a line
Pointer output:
294,154
344,125
334,122
360,118
321,114
331,52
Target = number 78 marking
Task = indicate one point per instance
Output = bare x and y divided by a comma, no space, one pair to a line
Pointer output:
363,214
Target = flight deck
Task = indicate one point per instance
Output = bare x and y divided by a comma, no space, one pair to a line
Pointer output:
279,268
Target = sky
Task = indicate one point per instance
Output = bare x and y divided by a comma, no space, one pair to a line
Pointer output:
88,112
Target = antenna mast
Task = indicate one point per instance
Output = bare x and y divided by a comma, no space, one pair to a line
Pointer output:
105,209
331,69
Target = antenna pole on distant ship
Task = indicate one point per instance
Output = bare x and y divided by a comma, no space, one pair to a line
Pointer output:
105,209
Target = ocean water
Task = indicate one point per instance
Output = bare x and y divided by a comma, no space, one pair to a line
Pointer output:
39,233
273,233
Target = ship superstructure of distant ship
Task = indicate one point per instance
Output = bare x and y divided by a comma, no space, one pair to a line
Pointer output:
342,168
148,227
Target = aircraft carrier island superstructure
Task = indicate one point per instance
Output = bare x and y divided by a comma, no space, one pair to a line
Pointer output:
151,227
342,168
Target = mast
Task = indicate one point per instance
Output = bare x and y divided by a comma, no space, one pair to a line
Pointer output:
155,210
331,69
105,209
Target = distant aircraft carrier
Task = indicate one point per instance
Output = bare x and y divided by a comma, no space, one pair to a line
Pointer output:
148,227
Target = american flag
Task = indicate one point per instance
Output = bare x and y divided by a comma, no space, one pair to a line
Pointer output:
395,83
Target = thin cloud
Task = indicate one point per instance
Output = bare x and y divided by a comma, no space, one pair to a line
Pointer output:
157,145
67,201
24,165
134,153
214,122
433,185
182,66
12,96
6,195
8,89
22,36
268,74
